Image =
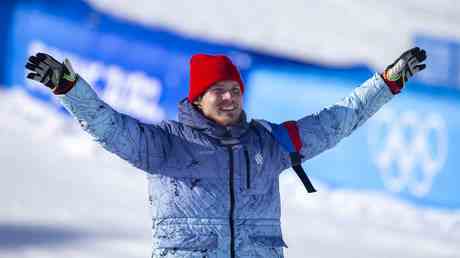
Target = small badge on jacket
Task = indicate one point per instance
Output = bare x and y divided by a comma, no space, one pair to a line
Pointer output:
259,159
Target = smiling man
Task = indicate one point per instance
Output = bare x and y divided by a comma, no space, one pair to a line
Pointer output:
213,176
216,88
222,103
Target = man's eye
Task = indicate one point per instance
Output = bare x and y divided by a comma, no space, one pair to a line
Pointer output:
218,90
236,91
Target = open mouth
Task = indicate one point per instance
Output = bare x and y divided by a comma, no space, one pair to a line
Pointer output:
228,108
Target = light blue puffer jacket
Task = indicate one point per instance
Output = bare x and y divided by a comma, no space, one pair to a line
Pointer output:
214,191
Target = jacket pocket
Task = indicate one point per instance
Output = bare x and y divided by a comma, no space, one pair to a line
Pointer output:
267,246
248,168
185,245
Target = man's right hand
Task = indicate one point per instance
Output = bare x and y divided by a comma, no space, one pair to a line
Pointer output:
59,77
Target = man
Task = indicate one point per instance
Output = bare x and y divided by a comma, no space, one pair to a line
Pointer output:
213,177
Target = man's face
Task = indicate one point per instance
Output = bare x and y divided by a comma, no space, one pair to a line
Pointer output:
222,103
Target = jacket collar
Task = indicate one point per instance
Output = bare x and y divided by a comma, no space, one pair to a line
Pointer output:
192,117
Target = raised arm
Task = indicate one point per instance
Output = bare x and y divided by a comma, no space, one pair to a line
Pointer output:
323,130
138,143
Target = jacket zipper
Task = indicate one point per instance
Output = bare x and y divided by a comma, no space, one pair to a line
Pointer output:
248,169
232,203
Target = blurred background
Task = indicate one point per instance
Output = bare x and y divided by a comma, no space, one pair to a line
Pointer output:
389,190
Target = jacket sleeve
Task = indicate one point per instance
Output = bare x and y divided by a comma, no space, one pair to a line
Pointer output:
323,130
140,144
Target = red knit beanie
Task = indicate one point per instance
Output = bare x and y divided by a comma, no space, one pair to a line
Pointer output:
206,70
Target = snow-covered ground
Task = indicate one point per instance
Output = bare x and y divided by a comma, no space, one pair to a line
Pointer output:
64,196
333,31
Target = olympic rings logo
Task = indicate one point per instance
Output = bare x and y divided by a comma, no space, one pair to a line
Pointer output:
409,149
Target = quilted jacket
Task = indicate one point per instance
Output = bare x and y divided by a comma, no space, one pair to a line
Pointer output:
214,191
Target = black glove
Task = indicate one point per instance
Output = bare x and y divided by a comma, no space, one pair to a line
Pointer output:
59,77
408,64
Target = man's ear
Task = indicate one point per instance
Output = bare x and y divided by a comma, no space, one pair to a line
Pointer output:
197,102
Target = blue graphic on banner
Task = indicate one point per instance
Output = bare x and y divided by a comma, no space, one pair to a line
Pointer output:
443,62
138,71
5,19
406,149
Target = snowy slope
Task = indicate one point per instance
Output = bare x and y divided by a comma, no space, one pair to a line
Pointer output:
332,31
63,196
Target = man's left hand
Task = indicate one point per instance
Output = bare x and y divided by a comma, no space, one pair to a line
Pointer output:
406,66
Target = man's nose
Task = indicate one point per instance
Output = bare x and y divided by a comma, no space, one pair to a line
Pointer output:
227,95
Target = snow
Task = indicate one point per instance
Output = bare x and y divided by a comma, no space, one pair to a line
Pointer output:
58,183
332,31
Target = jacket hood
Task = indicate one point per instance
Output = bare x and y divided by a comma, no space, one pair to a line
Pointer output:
192,117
